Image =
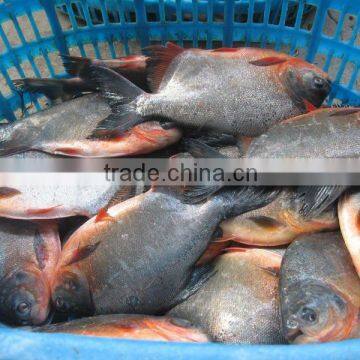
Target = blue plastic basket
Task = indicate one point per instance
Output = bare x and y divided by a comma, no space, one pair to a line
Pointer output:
277,23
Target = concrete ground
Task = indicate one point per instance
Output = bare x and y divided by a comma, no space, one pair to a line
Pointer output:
44,29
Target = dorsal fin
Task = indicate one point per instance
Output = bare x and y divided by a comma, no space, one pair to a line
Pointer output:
160,57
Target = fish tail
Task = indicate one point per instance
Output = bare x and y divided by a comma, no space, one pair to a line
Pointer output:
239,200
120,94
54,89
8,143
76,65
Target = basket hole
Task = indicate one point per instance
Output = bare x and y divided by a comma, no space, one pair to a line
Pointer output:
187,44
291,14
119,48
96,16
28,69
26,28
10,33
334,67
348,72
152,12
218,12
241,12
134,47
64,20
42,23
74,51
56,63
320,60
129,12
331,22
89,50
42,66
4,87
187,16
348,27
308,17
2,46
104,49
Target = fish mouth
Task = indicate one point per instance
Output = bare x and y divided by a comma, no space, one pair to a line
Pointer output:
292,334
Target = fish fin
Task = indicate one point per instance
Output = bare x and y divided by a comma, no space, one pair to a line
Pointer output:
119,92
160,57
267,260
214,250
268,61
103,216
315,199
344,111
197,280
198,193
76,65
266,222
43,211
54,89
68,151
215,139
81,253
309,106
124,193
8,192
40,249
225,49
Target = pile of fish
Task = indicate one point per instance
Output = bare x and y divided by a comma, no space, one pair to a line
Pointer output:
236,264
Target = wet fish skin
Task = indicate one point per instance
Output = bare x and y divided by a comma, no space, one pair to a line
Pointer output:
28,256
136,327
238,304
140,256
349,218
64,129
31,201
323,133
278,223
319,290
199,87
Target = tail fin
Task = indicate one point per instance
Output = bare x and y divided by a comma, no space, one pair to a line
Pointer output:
11,141
76,65
120,93
316,199
239,200
55,89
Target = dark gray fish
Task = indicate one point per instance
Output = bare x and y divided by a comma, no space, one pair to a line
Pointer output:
139,256
319,290
64,129
239,304
28,256
240,91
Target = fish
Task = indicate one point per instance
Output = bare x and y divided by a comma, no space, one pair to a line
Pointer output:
349,219
139,255
64,129
312,135
278,223
239,304
319,290
133,327
132,67
28,256
29,200
240,91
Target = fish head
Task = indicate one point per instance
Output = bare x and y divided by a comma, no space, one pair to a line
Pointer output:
70,292
307,85
315,312
24,298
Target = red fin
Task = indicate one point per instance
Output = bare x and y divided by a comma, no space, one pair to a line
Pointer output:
103,216
344,111
67,151
225,49
268,61
82,253
134,62
8,192
309,106
235,249
142,135
160,58
41,211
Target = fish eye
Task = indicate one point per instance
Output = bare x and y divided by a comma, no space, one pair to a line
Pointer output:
61,304
23,308
308,314
319,82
